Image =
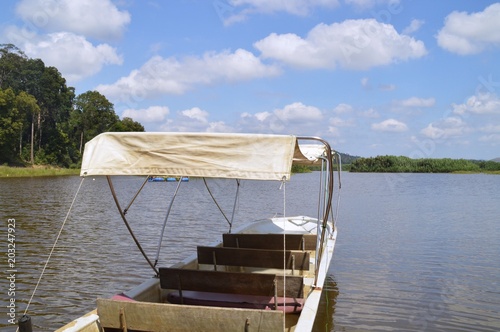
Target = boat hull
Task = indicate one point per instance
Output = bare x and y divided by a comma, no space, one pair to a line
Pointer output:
146,307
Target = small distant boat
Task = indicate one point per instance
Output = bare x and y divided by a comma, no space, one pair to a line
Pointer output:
156,179
168,179
266,275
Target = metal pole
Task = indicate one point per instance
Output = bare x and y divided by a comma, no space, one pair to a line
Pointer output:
165,222
127,224
24,324
235,201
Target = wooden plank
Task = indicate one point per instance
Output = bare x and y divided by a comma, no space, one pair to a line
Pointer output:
163,317
230,282
217,281
253,257
270,241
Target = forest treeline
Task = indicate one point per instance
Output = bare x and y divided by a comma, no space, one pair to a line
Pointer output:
42,121
401,164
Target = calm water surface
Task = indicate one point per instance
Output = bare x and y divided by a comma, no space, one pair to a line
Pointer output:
415,252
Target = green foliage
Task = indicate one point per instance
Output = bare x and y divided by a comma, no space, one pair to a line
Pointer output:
488,165
301,169
10,124
35,171
41,121
93,114
401,164
127,124
347,158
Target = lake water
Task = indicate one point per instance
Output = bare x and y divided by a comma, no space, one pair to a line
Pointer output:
415,252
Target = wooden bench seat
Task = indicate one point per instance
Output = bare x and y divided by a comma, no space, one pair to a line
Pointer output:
262,258
232,289
270,241
160,317
285,304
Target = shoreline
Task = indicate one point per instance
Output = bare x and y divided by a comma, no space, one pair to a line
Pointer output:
41,171
37,171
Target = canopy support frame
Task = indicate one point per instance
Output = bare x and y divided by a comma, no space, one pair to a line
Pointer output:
165,222
124,218
328,191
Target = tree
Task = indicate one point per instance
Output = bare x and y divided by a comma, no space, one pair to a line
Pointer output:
28,108
12,60
10,125
40,119
93,114
128,124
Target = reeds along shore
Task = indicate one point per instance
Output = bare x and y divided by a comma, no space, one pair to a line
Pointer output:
401,164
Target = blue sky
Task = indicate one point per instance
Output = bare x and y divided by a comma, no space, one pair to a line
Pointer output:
373,77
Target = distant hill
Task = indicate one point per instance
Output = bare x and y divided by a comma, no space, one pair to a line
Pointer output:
496,159
347,158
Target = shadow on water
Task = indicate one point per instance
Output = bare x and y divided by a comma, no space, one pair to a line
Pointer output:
326,311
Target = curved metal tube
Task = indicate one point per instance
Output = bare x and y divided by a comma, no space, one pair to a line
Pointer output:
165,222
327,208
128,226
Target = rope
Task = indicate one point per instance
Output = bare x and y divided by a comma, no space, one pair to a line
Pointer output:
52,250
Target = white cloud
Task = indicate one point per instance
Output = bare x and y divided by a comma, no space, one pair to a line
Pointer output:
492,134
465,33
365,4
292,118
483,103
417,102
150,114
391,125
71,54
298,112
99,19
492,138
233,11
414,26
342,108
296,7
491,129
339,122
172,76
197,114
262,116
446,128
352,44
370,113
219,127
334,131
194,120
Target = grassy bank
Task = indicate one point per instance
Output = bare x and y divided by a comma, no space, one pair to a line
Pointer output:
472,172
402,164
6,171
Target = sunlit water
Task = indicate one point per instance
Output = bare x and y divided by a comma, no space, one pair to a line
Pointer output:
415,252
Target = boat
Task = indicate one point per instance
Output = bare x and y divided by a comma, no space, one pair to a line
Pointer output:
156,179
266,275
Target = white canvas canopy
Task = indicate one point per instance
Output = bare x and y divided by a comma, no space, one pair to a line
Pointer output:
240,156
